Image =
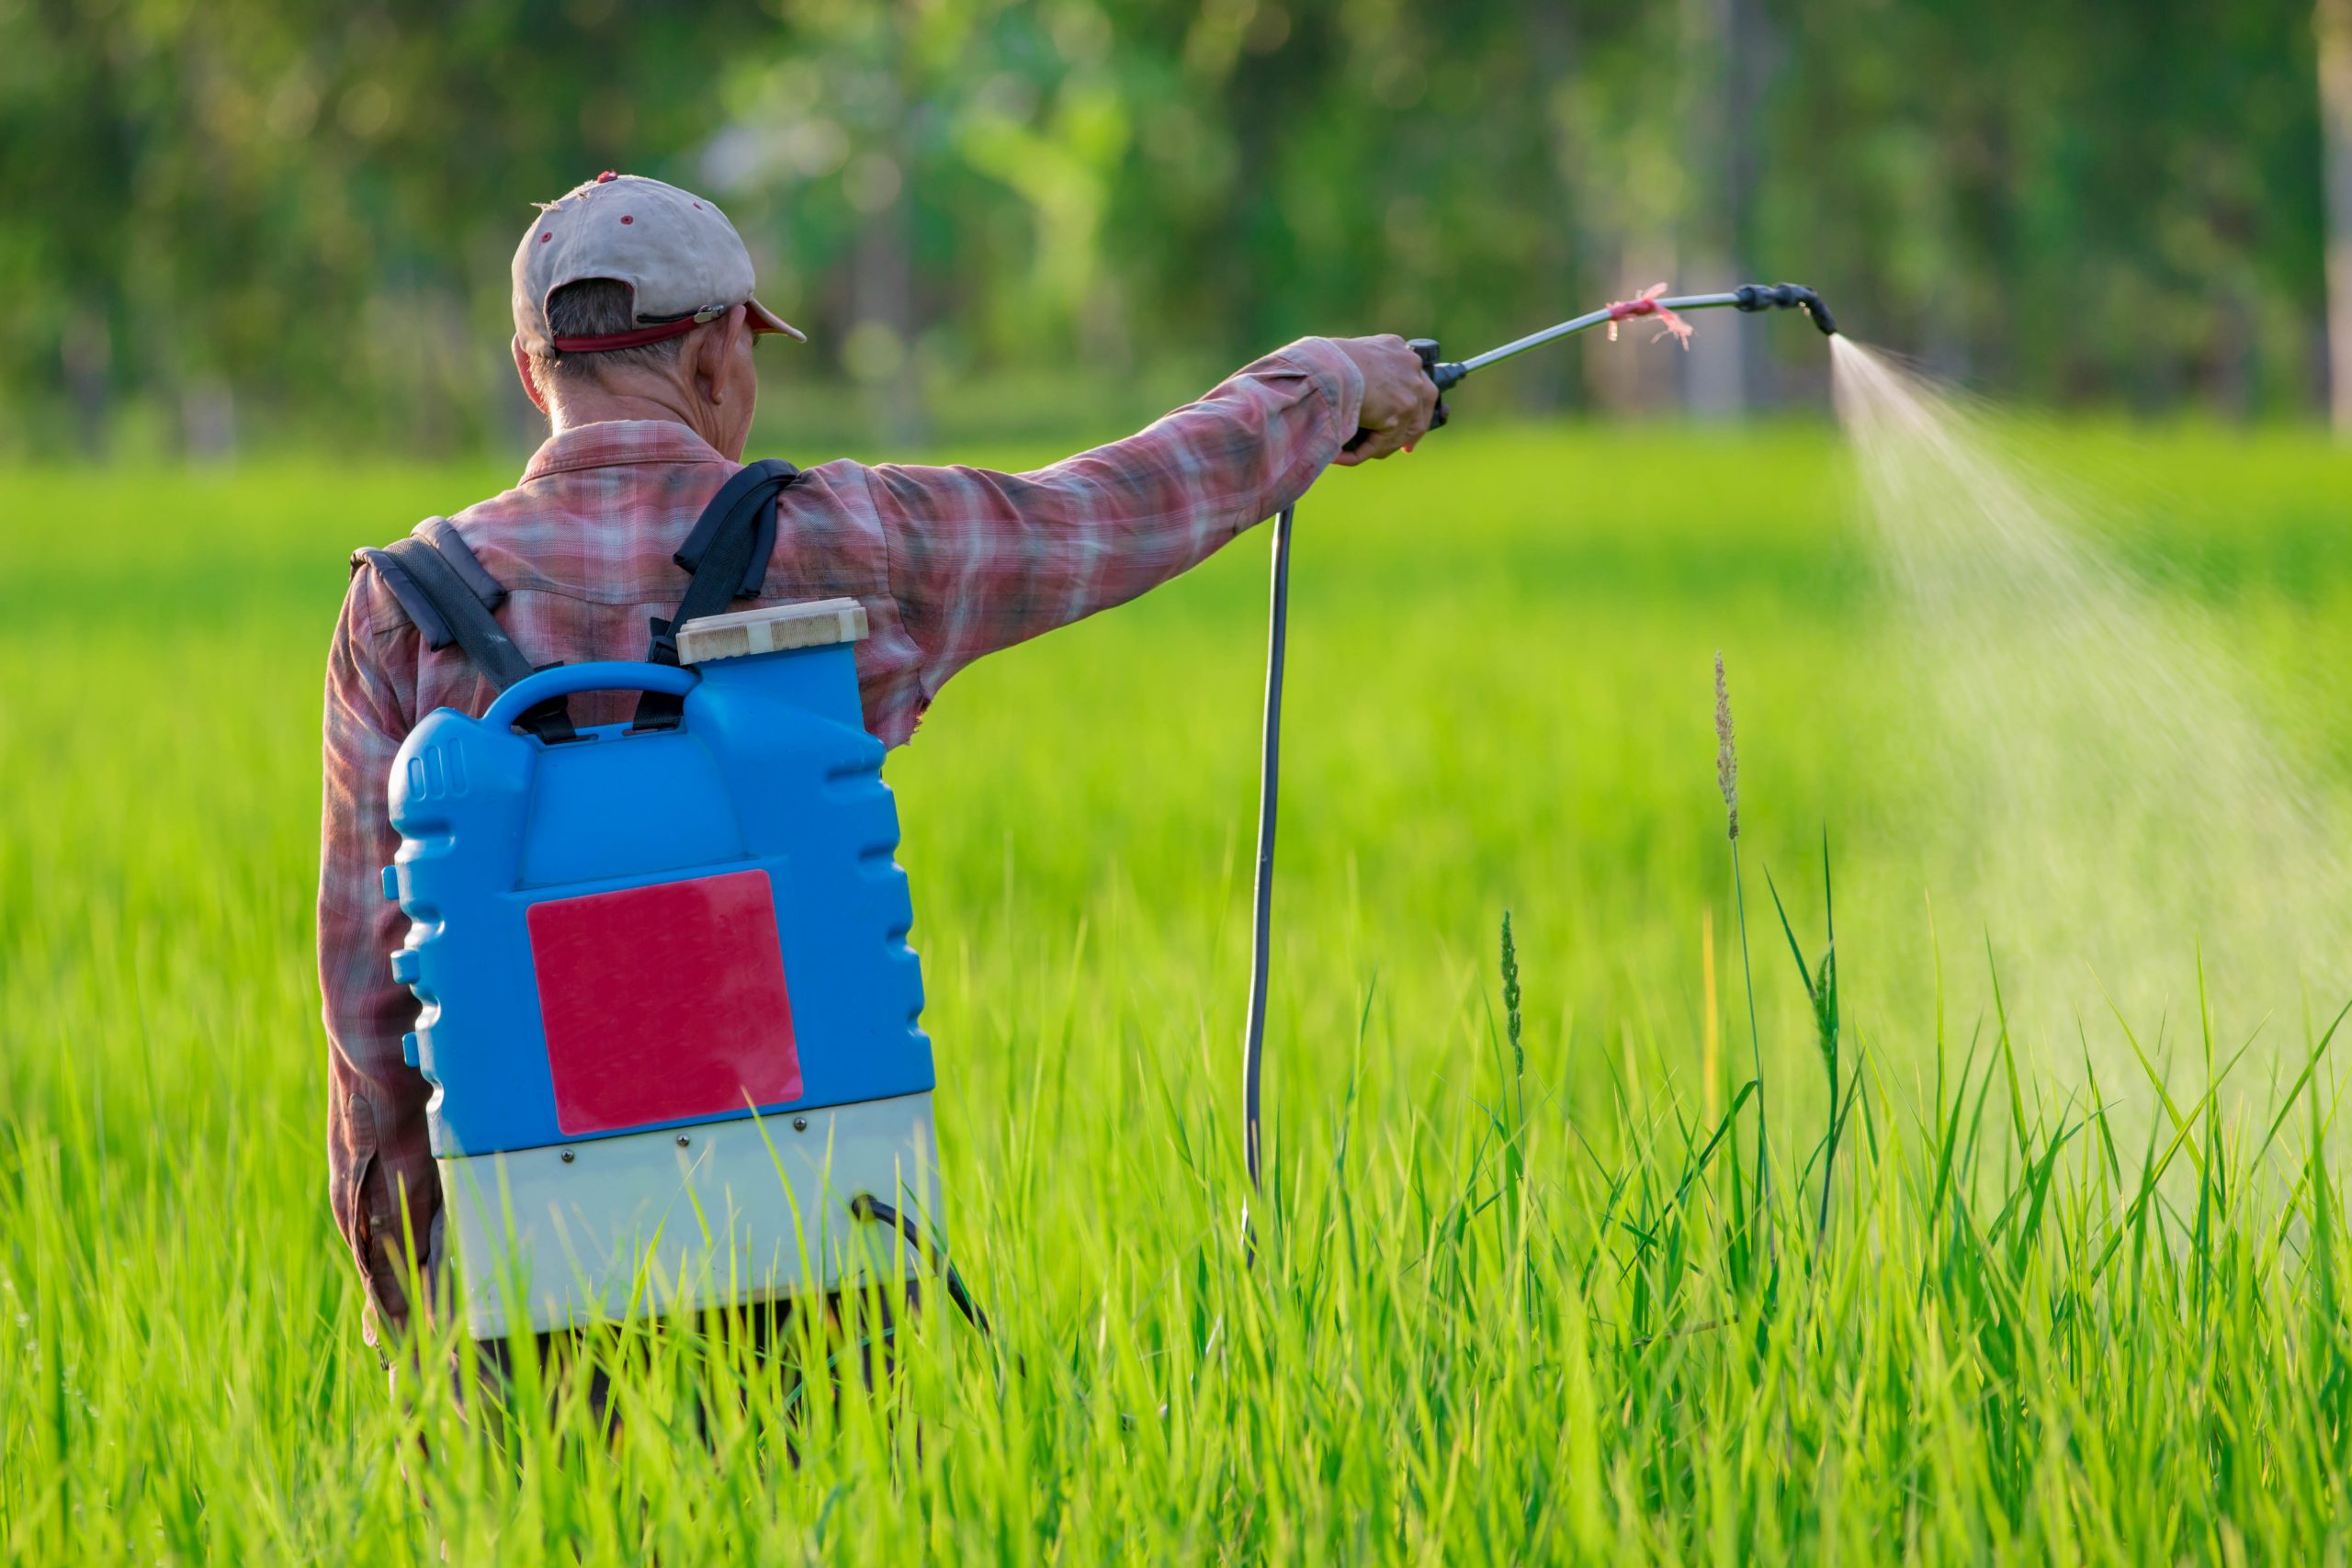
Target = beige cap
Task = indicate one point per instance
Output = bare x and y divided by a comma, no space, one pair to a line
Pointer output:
678,251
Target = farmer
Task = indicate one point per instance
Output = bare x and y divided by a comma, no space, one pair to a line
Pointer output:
634,334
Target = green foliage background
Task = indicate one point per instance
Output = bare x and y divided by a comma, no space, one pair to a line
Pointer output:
246,219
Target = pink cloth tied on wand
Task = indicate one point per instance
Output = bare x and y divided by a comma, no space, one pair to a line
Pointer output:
1645,303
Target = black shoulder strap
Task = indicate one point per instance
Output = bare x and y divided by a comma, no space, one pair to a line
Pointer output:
413,604
727,558
460,557
437,574
726,555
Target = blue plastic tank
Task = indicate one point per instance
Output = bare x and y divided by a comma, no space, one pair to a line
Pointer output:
669,1009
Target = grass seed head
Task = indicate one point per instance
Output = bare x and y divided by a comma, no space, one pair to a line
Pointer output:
1726,752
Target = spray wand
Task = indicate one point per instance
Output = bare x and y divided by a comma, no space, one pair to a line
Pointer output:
1447,374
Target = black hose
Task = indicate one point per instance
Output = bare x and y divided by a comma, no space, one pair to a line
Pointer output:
866,1206
1270,759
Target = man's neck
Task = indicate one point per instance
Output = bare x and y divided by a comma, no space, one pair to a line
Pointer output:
602,405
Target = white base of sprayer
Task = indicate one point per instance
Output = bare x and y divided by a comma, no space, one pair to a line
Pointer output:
714,1214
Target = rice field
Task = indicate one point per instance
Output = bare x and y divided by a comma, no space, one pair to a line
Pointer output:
2069,1283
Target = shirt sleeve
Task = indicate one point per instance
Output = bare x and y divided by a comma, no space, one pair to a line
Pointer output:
978,561
377,1153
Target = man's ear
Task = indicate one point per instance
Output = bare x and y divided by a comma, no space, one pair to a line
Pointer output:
712,347
523,370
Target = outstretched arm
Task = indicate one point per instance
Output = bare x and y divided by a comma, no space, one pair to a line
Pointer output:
978,561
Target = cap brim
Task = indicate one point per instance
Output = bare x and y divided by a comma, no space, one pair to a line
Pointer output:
763,320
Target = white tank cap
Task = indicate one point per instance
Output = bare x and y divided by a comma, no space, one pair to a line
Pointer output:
777,629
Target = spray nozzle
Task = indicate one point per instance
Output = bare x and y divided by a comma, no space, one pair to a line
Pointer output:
1783,296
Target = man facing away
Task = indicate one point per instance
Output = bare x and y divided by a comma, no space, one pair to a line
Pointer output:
634,327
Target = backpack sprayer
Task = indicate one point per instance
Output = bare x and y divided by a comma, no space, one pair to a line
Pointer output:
669,1009
1447,374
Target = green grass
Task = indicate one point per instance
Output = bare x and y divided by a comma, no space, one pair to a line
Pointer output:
1514,1299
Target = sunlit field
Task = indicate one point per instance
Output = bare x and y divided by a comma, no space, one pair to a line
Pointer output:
2076,1286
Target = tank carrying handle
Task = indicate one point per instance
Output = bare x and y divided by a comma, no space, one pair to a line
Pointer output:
606,675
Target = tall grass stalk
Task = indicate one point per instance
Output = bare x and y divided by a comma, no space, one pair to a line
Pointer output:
1820,993
1727,780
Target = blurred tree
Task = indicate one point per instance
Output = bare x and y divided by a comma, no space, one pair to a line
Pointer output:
1725,57
2332,25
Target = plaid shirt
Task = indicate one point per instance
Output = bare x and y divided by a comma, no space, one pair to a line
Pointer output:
950,563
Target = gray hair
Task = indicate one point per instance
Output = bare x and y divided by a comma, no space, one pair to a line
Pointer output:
597,306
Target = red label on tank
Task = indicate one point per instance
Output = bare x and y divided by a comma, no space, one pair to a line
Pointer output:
665,1002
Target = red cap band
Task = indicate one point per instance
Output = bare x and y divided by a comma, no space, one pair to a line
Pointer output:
636,339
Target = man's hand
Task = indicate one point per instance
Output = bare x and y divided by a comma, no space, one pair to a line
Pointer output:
1398,396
